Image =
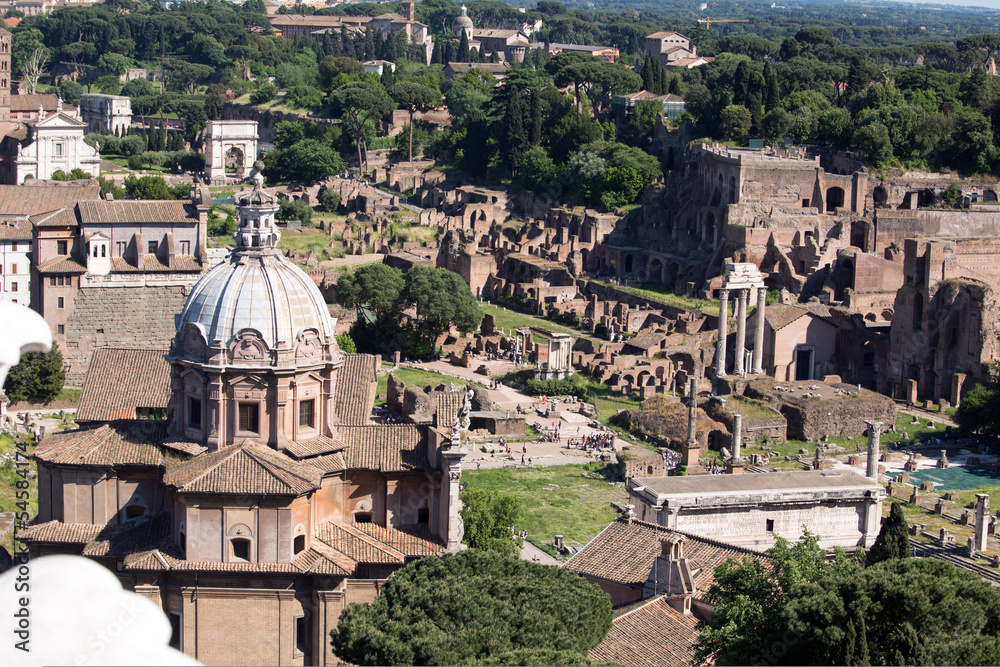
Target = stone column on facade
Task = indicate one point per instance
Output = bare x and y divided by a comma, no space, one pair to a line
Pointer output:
758,334
720,353
737,435
872,517
957,380
216,413
982,517
874,435
741,330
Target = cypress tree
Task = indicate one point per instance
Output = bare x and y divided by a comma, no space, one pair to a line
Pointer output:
893,540
850,641
861,657
664,85
463,48
647,74
436,54
535,118
162,140
771,92
515,134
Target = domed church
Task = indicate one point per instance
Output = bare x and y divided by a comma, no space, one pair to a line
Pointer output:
268,499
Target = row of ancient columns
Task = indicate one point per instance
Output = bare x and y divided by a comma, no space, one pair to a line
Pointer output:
741,323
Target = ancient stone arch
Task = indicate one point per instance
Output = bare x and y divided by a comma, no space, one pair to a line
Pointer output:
232,144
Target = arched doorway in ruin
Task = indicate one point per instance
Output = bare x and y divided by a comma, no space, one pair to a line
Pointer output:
834,198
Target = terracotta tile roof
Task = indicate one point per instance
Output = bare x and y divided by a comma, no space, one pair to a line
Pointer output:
314,447
385,448
57,532
48,102
153,264
120,380
780,315
646,340
414,540
247,468
122,442
357,545
176,444
650,634
625,552
446,407
31,199
321,559
357,384
15,230
137,211
329,463
63,264
120,540
62,217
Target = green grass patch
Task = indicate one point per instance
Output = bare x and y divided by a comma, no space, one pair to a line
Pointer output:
10,475
578,509
69,394
415,377
511,319
664,294
306,239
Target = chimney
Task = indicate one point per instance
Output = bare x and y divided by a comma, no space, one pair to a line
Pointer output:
874,434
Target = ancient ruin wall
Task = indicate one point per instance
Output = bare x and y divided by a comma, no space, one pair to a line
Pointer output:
122,316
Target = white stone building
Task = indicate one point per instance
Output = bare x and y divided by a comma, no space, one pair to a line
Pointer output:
750,510
15,267
55,143
230,146
111,113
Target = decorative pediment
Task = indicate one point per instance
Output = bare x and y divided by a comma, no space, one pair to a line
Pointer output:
308,346
194,342
61,119
248,347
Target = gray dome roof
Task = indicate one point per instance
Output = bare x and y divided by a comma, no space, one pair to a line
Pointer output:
256,290
461,21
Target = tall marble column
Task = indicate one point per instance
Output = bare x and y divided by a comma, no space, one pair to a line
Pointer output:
741,330
737,435
692,412
720,351
758,334
874,435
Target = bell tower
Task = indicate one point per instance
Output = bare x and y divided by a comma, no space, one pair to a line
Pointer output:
5,48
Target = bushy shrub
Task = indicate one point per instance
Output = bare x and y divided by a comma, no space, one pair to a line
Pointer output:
295,209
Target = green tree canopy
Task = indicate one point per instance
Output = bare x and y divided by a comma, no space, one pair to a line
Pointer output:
442,299
472,608
361,102
893,539
39,376
414,97
488,517
377,287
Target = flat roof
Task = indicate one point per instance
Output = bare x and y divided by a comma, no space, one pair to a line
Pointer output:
699,486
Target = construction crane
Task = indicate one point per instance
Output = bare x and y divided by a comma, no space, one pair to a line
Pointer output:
709,21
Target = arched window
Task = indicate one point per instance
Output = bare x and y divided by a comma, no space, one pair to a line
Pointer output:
104,251
134,511
299,544
362,517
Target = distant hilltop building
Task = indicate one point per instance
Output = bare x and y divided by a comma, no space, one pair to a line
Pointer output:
673,49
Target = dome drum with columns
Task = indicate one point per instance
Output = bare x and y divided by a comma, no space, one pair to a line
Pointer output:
255,357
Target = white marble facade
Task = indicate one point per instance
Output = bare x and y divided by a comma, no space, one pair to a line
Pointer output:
55,143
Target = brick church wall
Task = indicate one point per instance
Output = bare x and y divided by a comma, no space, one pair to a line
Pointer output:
140,316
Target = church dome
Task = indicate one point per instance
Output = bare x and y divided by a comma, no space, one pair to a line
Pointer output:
260,291
256,304
462,21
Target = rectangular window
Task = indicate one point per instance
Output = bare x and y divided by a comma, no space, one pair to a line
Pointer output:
52,281
241,549
194,412
60,302
61,280
302,635
152,247
185,247
59,150
13,246
60,329
62,247
306,413
119,249
770,525
13,287
175,632
249,418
